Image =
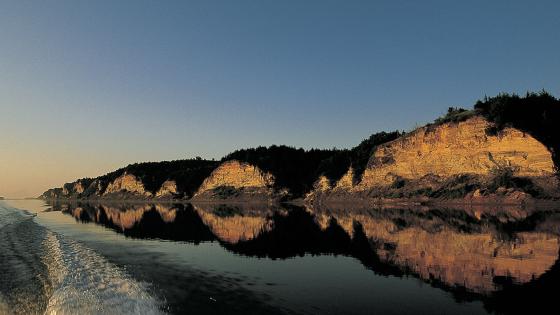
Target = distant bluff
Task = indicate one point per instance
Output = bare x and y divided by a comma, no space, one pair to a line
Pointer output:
504,150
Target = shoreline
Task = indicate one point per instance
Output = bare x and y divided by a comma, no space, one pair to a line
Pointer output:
352,202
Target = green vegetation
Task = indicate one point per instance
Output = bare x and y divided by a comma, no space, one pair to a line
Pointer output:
502,180
503,177
224,192
538,114
455,114
456,187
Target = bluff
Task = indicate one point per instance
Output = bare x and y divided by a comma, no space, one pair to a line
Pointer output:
240,181
450,158
504,150
152,180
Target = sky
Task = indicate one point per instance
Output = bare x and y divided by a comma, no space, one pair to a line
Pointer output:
87,87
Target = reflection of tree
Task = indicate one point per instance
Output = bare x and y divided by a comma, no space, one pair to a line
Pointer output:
472,250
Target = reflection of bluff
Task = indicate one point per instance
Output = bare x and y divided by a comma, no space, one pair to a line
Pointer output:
232,224
450,246
470,249
171,222
503,151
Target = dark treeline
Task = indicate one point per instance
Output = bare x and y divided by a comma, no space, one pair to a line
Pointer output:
340,161
295,169
188,174
298,169
538,114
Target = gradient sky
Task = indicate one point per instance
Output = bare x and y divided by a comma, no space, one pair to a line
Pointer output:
90,86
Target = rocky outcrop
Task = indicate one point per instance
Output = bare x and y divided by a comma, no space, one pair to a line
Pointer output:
431,155
72,190
457,148
51,194
123,187
234,180
238,175
76,188
167,190
126,183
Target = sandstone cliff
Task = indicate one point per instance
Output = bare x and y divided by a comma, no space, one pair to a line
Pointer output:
178,179
123,187
457,148
167,190
430,156
127,183
237,181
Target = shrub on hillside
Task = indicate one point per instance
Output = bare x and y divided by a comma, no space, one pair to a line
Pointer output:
454,114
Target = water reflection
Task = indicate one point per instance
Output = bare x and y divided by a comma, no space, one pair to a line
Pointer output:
493,254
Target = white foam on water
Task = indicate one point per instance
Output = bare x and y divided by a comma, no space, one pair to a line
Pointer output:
83,282
67,276
9,216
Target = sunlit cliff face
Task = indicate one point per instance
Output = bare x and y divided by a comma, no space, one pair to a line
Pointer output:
431,154
237,175
458,148
459,248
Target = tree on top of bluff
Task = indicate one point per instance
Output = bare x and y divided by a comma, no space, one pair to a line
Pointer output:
335,166
293,168
298,169
537,114
188,174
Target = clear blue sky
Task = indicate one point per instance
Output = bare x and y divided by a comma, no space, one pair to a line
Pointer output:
88,86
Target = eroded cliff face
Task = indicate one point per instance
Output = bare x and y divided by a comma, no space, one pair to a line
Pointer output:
457,148
238,175
53,193
127,183
73,188
236,180
126,186
167,190
433,154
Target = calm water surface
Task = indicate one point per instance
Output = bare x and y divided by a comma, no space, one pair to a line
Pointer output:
248,259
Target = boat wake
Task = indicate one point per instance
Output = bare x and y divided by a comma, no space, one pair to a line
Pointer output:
42,272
